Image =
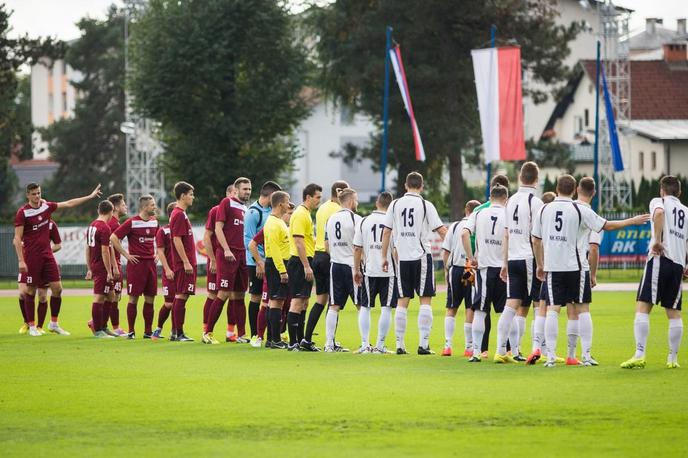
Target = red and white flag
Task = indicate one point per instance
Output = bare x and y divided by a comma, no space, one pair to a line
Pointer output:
400,73
500,101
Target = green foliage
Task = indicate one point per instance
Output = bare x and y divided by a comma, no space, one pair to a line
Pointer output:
224,79
436,38
8,187
548,153
646,190
90,147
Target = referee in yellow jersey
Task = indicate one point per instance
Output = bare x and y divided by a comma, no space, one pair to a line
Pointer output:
299,268
321,261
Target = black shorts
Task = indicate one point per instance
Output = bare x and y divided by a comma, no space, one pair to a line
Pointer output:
457,292
522,283
416,276
321,272
298,286
385,287
276,289
255,284
342,285
563,288
661,283
490,290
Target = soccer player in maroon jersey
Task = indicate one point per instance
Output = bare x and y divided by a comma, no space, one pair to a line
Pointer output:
142,275
100,267
183,258
232,272
163,243
36,260
111,308
41,292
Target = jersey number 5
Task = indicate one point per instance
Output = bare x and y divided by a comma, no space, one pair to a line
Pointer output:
558,222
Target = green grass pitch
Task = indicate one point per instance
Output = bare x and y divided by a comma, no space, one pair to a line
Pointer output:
77,396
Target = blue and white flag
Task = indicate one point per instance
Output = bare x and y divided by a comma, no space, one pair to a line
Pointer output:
617,160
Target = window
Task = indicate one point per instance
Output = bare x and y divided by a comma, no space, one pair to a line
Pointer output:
577,125
587,117
641,160
653,161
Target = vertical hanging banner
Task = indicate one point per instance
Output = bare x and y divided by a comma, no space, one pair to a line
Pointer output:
500,102
617,159
400,74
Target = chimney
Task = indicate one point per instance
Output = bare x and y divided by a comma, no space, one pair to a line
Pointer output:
675,52
651,24
681,26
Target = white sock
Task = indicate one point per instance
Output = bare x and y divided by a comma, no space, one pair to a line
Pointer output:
503,328
478,329
539,333
400,325
532,334
518,327
585,332
383,326
675,334
468,334
449,325
551,331
364,325
572,335
330,326
424,325
641,328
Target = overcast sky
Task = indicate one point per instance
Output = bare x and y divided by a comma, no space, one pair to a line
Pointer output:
58,17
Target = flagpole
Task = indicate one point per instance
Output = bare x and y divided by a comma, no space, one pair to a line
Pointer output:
385,112
596,151
493,33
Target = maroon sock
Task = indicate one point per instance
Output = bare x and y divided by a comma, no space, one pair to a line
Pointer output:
29,309
42,312
97,316
214,313
114,314
262,321
21,308
107,306
231,317
206,309
148,313
240,315
55,304
131,316
163,314
179,313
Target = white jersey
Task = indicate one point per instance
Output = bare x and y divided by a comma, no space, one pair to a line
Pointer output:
489,228
453,244
585,238
339,233
675,234
521,210
559,226
412,219
368,236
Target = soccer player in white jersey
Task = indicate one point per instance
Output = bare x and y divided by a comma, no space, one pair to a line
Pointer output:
518,271
666,265
459,287
410,220
339,240
373,281
555,242
489,228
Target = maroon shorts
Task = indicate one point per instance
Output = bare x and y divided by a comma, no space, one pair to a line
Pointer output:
117,285
22,279
185,283
142,278
168,288
211,282
101,285
232,276
42,271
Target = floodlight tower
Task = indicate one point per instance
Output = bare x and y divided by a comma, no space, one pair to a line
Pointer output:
615,190
144,152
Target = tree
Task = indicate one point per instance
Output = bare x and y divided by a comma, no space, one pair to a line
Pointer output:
436,38
89,146
224,79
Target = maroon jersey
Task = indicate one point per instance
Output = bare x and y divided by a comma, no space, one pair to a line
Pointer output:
259,238
180,226
113,223
164,241
210,226
231,212
140,234
97,236
36,223
54,233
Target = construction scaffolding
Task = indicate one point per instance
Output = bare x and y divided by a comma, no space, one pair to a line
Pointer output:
615,190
